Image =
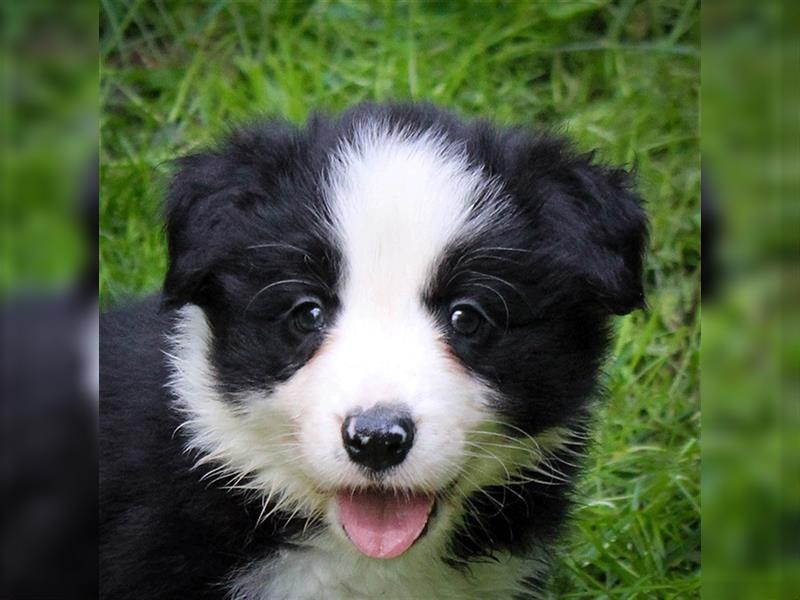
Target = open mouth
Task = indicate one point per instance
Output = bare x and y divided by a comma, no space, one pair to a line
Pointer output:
382,524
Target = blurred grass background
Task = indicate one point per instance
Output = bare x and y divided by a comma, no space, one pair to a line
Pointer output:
620,77
751,323
48,142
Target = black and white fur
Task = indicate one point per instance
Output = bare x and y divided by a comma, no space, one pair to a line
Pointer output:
221,448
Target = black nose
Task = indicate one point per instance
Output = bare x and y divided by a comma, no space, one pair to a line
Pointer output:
378,438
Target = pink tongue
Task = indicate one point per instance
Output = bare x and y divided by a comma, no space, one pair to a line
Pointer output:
383,525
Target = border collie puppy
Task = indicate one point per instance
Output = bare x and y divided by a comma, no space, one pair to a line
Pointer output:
371,368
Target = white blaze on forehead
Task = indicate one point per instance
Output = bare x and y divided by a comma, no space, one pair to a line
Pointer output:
398,199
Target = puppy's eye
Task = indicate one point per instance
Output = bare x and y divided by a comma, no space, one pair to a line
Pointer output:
308,317
465,320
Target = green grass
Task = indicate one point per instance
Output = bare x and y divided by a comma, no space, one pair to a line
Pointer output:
622,78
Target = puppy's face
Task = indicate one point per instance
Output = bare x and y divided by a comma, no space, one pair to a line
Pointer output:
388,314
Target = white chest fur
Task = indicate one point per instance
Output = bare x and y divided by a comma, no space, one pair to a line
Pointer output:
322,569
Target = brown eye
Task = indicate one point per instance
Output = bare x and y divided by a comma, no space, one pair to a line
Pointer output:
465,320
308,317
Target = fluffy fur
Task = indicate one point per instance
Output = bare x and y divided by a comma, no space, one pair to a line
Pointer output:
221,449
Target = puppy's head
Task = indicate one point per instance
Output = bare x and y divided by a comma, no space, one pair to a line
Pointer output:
385,314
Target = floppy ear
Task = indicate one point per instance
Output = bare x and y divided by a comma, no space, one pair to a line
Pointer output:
214,200
609,233
592,222
197,204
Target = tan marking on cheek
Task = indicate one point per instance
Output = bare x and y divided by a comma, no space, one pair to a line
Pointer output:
303,378
452,361
323,348
295,421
